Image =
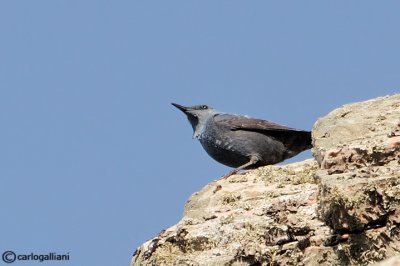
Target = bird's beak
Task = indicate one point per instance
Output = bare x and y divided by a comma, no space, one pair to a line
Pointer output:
180,107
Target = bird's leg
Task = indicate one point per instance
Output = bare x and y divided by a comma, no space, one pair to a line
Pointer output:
253,160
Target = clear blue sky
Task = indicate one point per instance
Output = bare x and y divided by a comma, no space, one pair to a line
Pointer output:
94,160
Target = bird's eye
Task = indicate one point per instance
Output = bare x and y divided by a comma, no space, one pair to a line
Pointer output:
204,107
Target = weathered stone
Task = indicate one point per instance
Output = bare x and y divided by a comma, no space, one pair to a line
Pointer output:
253,229
358,135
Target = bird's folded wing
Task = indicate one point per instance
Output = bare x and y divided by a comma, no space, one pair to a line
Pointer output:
250,124
290,137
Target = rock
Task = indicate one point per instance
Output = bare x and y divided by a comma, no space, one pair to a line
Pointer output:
393,261
357,147
256,217
340,209
358,135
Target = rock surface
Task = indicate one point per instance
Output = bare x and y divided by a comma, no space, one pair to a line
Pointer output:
343,208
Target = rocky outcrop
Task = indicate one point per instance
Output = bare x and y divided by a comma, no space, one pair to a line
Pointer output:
341,208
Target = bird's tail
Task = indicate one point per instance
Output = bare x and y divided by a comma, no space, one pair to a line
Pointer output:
297,141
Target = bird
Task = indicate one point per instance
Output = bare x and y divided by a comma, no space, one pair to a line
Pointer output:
243,142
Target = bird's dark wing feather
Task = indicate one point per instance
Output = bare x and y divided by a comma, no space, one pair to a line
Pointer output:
249,124
282,133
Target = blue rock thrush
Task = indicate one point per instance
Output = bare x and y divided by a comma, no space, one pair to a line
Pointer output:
243,142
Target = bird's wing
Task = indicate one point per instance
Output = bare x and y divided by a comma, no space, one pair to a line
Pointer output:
235,122
284,134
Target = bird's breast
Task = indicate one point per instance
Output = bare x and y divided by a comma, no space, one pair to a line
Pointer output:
224,150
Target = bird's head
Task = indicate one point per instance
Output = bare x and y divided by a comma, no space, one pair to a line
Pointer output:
197,115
